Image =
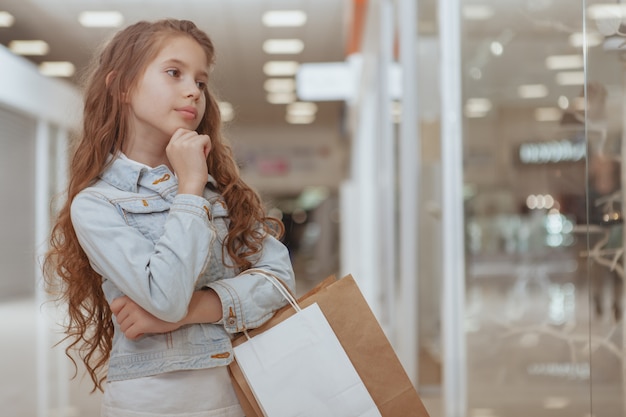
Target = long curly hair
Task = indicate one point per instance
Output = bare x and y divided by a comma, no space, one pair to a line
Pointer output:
66,267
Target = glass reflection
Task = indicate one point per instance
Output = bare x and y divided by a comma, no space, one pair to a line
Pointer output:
544,217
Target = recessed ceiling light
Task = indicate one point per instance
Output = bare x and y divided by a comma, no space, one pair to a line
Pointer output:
101,19
34,47
284,18
6,19
226,110
283,46
477,12
280,85
280,68
496,48
547,114
561,62
532,91
563,102
57,68
478,105
577,39
570,78
281,98
300,119
475,115
606,11
302,108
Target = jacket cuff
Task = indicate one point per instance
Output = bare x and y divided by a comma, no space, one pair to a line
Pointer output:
232,314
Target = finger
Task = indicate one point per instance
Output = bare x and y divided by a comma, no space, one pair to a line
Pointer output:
180,132
182,136
118,304
133,332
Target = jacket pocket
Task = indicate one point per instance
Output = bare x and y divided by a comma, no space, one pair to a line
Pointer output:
146,215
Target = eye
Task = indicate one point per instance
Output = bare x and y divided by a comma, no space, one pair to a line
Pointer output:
201,85
173,73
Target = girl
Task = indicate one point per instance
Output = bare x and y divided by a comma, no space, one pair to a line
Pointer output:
160,250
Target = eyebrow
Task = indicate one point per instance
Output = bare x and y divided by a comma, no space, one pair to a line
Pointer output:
183,64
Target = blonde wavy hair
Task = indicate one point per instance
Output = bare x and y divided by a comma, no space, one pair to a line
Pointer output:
66,267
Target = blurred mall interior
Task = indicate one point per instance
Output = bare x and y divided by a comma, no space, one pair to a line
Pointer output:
460,158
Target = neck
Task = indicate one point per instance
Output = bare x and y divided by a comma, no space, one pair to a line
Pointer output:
149,155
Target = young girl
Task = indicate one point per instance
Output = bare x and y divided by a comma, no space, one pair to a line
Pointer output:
161,248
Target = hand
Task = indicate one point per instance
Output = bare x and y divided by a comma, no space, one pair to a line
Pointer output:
187,152
135,321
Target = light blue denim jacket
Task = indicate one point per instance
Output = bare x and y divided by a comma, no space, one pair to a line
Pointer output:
157,248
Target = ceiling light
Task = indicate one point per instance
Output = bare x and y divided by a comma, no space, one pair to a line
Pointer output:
280,68
226,110
606,11
475,115
561,62
577,39
6,19
57,68
532,91
283,46
302,108
496,48
300,119
570,78
477,12
280,85
547,114
101,19
478,105
281,98
36,47
284,18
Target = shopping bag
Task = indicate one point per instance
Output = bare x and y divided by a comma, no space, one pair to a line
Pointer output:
364,342
298,368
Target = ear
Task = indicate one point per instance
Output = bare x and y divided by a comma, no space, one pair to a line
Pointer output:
109,78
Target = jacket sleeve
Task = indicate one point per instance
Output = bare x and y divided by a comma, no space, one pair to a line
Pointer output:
160,276
249,299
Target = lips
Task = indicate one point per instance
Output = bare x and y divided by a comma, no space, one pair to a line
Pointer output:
188,112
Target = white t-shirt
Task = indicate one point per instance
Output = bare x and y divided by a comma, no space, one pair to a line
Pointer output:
196,393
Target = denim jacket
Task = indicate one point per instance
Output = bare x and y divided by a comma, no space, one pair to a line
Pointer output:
157,248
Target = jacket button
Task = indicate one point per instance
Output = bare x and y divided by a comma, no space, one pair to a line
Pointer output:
231,320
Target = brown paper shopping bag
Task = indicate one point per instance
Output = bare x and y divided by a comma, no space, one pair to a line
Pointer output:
364,342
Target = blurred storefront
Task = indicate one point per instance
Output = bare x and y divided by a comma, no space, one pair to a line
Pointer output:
519,189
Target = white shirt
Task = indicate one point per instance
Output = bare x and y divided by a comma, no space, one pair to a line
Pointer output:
196,393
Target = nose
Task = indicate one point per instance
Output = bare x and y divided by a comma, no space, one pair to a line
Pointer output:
193,91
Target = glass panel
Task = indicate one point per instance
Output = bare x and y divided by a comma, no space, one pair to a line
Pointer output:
527,309
604,118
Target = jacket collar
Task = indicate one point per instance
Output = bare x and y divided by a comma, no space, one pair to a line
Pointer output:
128,175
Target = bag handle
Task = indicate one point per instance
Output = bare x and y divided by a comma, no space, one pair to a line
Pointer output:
278,284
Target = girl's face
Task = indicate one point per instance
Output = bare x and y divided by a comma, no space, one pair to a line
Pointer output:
170,93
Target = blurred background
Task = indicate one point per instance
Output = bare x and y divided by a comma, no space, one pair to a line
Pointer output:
460,158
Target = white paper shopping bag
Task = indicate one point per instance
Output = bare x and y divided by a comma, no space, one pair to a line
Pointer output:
299,368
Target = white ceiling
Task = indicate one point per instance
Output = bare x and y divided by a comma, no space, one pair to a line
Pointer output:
234,26
530,30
